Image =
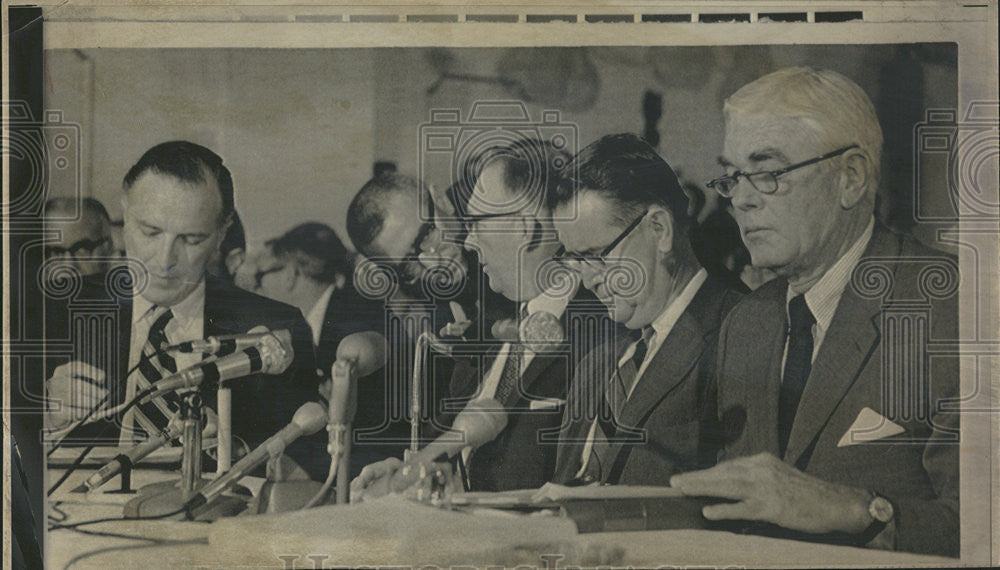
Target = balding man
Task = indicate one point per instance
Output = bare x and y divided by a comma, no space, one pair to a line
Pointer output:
826,440
84,234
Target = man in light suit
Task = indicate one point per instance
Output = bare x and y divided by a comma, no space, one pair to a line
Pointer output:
642,405
837,430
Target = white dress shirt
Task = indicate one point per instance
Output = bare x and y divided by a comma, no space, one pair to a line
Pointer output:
662,326
188,323
317,315
823,297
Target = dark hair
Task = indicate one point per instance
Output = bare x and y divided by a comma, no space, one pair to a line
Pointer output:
367,212
188,162
235,238
533,170
89,205
629,173
315,249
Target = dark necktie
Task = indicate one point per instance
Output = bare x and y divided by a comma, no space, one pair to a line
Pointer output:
616,394
798,363
512,369
154,416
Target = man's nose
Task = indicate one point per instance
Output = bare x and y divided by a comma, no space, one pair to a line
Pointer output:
166,254
745,196
590,277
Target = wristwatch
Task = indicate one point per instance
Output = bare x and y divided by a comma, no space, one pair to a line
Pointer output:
882,512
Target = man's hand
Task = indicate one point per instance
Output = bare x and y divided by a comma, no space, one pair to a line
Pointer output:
72,391
373,481
768,489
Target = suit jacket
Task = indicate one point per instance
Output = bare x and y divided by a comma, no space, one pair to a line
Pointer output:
668,422
347,313
522,457
866,360
262,404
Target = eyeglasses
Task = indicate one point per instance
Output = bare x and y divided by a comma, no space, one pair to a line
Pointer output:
258,276
88,245
576,261
766,181
470,221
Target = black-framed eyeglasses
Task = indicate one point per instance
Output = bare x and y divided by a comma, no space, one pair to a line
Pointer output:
766,181
469,221
88,245
577,260
258,276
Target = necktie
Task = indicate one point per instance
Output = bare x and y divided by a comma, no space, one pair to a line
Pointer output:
512,368
154,416
616,394
798,363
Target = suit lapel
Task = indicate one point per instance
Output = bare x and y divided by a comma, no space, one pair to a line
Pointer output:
849,344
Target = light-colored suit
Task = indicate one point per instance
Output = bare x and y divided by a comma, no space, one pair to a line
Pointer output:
878,411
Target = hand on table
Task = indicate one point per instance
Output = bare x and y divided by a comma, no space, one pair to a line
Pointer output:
767,489
73,390
373,481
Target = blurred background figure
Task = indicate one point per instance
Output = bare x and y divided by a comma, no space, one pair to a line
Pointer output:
84,234
232,252
308,267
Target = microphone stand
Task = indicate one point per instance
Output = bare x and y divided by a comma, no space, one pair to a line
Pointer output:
159,499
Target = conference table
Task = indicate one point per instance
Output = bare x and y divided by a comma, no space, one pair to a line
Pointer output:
397,532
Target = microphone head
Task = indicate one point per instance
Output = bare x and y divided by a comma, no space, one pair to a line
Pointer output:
481,421
310,418
541,329
276,351
365,350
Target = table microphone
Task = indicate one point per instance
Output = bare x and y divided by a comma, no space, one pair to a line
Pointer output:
273,354
308,419
480,422
222,345
132,456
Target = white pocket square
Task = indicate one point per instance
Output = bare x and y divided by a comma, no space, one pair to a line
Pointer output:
869,426
546,403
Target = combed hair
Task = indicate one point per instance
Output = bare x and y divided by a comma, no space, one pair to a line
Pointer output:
188,162
832,106
315,249
90,205
629,173
367,212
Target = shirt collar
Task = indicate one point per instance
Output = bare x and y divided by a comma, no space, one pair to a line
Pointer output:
318,312
190,308
823,297
668,318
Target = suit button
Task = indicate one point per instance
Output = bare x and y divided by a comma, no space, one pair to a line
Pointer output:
319,372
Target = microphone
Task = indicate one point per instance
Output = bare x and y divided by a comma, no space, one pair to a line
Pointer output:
134,454
480,422
222,345
308,419
436,344
272,355
358,354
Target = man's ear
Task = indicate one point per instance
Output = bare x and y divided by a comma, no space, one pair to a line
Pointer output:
663,225
856,178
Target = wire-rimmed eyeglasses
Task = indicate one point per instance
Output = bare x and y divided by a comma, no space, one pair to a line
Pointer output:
766,181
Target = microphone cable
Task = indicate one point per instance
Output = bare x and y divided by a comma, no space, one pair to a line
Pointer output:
75,525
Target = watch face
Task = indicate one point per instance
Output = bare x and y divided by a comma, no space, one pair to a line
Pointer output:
880,509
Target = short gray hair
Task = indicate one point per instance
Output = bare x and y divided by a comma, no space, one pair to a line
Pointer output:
834,107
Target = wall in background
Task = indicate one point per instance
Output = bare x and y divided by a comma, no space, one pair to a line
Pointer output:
301,129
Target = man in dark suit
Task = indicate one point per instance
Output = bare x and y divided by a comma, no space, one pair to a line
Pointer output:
643,403
309,267
838,427
177,201
508,222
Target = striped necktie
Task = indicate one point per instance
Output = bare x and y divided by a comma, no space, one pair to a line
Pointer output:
153,366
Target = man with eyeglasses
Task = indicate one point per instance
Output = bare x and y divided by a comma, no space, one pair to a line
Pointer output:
642,406
83,241
839,428
508,223
308,267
